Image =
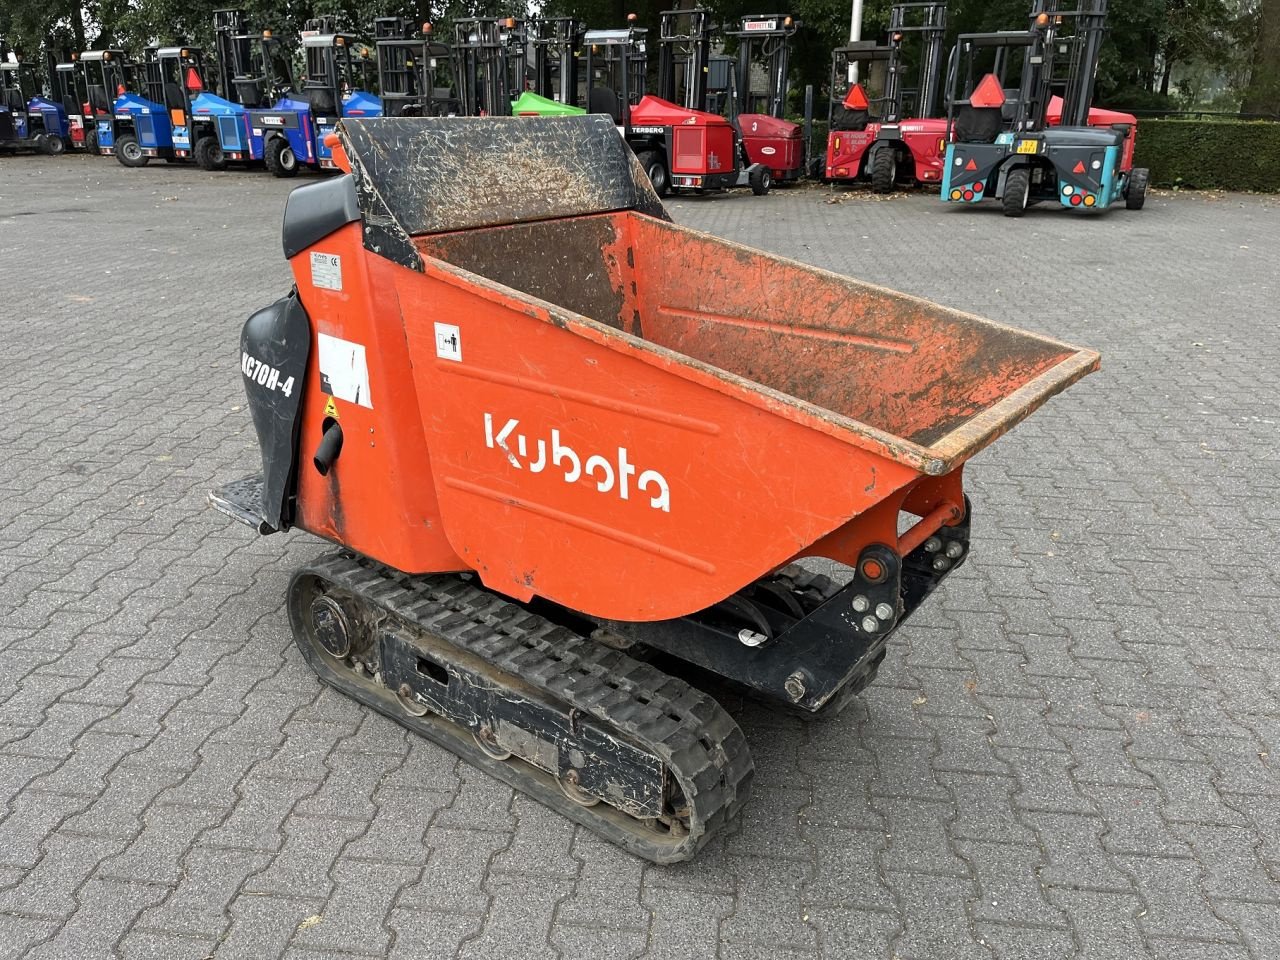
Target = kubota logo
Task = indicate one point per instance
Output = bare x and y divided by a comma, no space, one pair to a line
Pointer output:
608,474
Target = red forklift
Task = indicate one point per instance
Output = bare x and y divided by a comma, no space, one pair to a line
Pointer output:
680,147
893,136
68,85
769,139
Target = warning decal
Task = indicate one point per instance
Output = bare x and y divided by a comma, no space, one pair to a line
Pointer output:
343,371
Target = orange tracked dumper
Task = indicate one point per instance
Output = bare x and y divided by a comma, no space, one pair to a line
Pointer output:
558,439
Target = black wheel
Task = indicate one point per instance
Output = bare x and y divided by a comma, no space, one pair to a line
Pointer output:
884,170
1135,191
655,167
1017,190
279,158
51,145
129,152
761,179
91,139
208,154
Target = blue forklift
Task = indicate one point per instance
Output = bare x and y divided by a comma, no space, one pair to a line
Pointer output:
176,118
28,119
294,128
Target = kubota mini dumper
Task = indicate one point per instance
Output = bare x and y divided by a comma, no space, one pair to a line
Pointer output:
551,432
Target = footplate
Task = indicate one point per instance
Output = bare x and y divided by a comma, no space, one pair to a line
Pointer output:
241,500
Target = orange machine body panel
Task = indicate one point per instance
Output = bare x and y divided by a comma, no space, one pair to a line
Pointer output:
636,420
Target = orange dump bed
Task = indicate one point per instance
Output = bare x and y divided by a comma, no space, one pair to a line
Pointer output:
626,416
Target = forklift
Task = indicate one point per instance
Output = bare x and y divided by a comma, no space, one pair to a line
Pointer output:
414,78
28,119
1020,129
160,122
556,43
67,83
552,89
904,140
680,145
294,128
107,75
490,63
769,139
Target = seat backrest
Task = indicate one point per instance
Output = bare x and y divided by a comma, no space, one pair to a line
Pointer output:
842,118
978,124
98,98
604,100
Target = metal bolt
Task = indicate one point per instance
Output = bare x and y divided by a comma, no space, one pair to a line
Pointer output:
954,550
794,685
861,603
870,624
932,545
572,776
884,611
750,638
941,563
406,691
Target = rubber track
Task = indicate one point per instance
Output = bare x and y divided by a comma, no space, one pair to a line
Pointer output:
689,731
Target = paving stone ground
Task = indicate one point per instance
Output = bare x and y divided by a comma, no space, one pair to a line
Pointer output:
1071,750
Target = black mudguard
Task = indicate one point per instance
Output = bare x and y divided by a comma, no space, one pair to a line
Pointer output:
274,348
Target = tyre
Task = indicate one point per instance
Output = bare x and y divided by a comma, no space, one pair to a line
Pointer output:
1017,190
129,151
208,154
761,179
279,158
655,167
91,139
1135,191
51,145
884,170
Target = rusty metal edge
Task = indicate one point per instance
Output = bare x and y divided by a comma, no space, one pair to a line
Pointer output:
983,428
941,457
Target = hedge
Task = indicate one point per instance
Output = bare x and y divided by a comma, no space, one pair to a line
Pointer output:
1211,154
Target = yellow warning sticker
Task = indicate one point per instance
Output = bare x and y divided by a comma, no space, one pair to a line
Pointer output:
331,409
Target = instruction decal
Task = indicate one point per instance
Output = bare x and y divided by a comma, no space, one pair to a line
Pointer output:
448,342
331,409
343,371
326,271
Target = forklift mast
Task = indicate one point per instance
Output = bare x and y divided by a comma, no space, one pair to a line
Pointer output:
409,64
1076,37
684,52
766,39
1059,55
929,21
233,45
489,63
556,42
616,65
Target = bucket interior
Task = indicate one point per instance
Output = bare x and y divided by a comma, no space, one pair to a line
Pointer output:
897,363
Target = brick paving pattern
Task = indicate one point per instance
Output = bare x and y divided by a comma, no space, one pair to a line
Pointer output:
1071,750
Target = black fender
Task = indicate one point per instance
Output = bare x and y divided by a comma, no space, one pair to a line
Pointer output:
275,346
